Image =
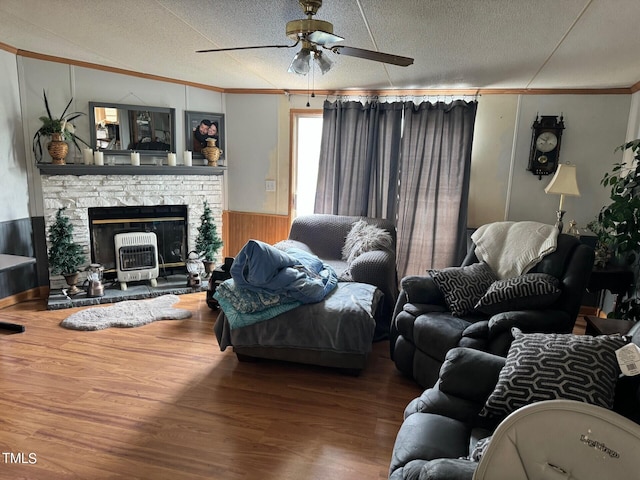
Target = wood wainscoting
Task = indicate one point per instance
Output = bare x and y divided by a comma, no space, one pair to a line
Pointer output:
239,227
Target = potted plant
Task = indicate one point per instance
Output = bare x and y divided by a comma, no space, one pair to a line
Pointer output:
60,130
618,224
208,242
65,256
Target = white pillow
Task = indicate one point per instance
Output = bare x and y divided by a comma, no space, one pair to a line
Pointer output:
364,237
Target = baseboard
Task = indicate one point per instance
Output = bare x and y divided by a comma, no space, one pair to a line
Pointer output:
37,293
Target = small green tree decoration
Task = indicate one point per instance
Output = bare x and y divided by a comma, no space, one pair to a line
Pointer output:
207,242
65,256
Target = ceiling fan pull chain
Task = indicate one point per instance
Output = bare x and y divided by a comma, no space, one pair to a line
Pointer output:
308,104
313,80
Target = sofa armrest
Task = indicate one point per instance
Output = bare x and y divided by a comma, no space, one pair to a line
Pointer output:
434,401
544,321
470,374
467,378
422,289
376,267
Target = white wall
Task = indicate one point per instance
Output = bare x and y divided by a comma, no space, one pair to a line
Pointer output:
257,143
14,194
62,82
253,132
502,188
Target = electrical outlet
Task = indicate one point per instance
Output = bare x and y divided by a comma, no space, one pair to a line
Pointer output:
270,185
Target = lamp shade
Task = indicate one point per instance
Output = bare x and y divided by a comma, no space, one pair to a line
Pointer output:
564,181
323,62
301,62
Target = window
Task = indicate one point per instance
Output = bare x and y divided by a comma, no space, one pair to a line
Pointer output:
306,136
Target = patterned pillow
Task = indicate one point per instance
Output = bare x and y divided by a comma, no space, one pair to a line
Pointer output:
364,237
543,366
532,290
479,449
462,287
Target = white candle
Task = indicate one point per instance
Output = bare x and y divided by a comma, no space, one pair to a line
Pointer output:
171,159
187,158
87,155
135,158
98,158
561,202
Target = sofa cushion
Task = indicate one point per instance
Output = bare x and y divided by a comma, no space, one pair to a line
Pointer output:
462,287
556,366
364,237
532,290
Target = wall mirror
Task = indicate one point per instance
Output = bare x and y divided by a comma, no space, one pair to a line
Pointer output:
121,129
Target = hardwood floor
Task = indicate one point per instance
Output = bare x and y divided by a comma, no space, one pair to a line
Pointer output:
162,402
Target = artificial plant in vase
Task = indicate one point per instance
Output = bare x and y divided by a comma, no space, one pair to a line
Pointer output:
208,242
60,130
618,224
65,256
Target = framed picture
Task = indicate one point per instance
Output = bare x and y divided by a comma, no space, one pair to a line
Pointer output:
202,125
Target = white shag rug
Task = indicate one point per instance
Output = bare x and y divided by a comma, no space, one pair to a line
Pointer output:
129,313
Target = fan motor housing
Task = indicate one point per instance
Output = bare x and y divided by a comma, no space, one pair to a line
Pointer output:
299,29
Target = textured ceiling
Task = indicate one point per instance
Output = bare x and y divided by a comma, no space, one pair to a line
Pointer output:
457,44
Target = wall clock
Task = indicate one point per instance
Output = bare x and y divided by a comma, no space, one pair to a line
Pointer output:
545,145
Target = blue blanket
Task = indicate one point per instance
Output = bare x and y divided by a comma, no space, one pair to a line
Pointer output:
295,273
267,281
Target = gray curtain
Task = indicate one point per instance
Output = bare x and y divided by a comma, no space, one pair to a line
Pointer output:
434,185
405,162
359,154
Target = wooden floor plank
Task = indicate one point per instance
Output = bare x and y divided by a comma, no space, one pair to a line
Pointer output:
162,401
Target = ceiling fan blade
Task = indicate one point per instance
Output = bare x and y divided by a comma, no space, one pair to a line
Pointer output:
245,48
323,38
372,55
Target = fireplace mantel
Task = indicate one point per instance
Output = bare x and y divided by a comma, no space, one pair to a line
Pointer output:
78,169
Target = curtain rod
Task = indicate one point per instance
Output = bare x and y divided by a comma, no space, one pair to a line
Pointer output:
448,98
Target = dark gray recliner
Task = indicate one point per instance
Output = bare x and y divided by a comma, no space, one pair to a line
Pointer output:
423,330
442,426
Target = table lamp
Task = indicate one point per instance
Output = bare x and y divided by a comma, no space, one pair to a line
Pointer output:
563,183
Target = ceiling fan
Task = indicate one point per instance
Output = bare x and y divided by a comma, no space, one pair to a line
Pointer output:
312,34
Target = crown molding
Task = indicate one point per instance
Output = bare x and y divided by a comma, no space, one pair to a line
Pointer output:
122,71
381,92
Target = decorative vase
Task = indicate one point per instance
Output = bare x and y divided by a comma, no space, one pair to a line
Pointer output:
58,149
211,152
71,279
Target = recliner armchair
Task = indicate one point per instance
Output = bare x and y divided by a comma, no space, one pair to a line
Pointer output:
423,329
442,426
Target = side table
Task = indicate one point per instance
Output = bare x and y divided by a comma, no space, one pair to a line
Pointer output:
618,280
218,276
606,326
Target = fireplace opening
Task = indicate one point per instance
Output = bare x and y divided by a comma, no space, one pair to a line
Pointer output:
168,222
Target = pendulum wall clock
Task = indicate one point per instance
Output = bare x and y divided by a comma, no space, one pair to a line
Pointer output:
545,145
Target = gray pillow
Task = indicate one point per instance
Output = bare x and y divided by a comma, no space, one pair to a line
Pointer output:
364,237
532,290
462,287
542,366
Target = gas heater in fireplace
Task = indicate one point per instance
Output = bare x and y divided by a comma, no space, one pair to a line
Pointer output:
136,257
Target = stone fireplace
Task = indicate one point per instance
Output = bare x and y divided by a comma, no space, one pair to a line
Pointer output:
169,195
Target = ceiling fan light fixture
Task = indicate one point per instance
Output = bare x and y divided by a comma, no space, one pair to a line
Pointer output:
323,62
301,63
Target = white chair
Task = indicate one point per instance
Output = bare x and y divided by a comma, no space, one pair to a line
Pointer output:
562,439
